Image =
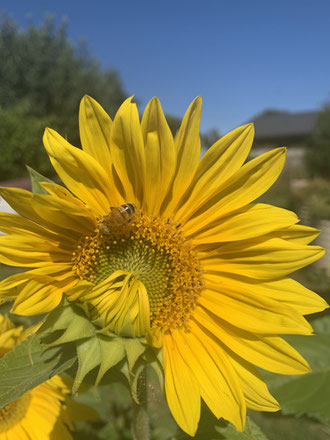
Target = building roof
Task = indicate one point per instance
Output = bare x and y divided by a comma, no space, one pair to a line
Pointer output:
277,124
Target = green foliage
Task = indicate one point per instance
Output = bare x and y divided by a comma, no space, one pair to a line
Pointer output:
212,429
278,426
280,195
21,141
28,365
113,403
174,123
251,432
43,78
318,154
317,198
307,394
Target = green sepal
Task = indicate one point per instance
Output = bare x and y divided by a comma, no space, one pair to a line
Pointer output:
71,319
89,357
134,348
125,357
36,179
110,358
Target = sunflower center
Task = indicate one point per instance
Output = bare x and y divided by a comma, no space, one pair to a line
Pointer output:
155,252
13,412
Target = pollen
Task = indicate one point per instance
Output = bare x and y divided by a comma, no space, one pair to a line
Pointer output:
156,252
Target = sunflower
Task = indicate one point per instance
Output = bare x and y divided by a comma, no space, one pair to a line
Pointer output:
43,413
162,246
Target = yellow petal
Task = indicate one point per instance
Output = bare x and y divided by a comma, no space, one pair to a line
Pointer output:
267,260
41,295
187,144
80,172
60,429
268,352
52,212
293,294
16,224
257,315
121,301
219,163
29,251
5,324
254,387
95,128
15,432
10,338
160,156
250,182
82,288
300,234
38,299
12,286
248,222
62,193
127,151
181,386
219,384
282,292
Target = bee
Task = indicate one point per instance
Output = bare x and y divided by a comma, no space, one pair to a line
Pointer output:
118,217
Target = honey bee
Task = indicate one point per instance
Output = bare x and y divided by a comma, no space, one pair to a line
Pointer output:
118,216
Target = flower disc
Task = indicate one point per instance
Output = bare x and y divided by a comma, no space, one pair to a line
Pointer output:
154,251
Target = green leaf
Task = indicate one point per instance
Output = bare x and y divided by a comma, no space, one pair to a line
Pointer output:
307,394
36,178
72,320
28,365
251,432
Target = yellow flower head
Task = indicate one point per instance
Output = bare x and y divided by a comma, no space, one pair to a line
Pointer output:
161,246
45,412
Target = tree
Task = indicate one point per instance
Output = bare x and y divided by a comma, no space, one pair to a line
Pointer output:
174,123
43,75
21,142
209,138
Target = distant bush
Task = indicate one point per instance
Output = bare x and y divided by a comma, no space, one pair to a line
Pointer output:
317,158
317,199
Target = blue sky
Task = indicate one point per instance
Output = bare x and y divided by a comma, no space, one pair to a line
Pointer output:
241,56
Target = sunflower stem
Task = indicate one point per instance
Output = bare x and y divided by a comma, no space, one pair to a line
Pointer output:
141,428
